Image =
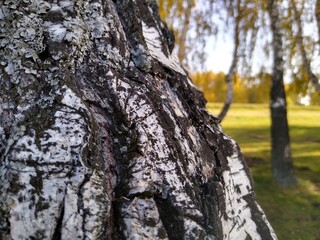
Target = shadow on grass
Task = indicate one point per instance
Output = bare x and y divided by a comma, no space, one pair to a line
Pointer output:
293,212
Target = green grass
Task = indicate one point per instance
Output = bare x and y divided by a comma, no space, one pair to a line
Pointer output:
294,213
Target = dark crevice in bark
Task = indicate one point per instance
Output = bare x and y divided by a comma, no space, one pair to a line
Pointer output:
118,232
57,232
5,225
248,237
262,227
171,219
209,202
123,130
45,54
218,170
80,192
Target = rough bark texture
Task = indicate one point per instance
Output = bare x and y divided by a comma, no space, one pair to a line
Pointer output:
103,135
282,169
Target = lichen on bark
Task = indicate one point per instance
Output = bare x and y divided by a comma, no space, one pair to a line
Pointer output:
103,134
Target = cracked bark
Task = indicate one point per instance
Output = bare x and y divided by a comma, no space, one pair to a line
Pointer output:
103,135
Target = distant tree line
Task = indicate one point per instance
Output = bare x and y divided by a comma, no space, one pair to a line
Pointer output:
214,88
248,23
246,90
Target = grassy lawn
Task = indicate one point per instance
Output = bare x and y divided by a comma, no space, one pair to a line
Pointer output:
294,213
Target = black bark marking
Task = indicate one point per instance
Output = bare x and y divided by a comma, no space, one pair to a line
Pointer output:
57,232
257,216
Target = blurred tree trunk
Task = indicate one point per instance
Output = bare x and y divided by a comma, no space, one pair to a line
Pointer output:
103,135
282,168
233,67
317,14
182,35
305,60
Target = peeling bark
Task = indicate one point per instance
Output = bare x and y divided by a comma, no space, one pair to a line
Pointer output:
103,135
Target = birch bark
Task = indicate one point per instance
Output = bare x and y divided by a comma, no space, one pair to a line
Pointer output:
282,168
103,135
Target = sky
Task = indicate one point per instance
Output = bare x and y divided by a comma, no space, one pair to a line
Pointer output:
219,54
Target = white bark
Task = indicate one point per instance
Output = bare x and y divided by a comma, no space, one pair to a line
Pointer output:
105,137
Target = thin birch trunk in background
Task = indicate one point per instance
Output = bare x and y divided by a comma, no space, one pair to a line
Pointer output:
282,167
305,60
233,67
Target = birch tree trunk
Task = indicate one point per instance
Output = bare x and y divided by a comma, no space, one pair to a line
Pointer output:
317,14
282,168
184,31
233,67
103,135
306,63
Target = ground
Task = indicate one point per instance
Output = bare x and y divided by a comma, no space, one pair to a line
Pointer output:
295,212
